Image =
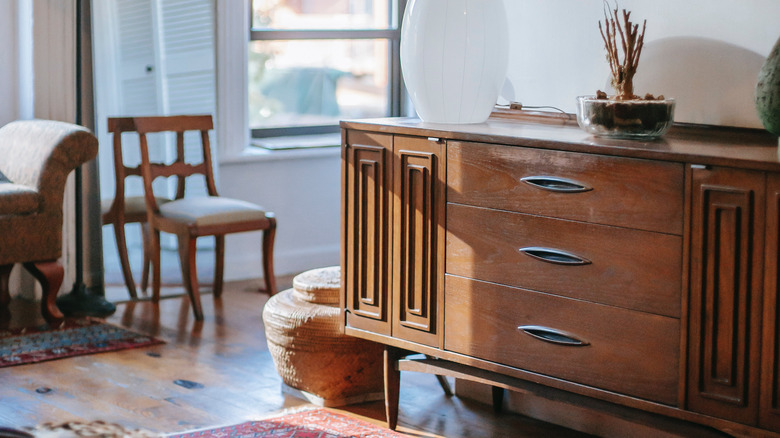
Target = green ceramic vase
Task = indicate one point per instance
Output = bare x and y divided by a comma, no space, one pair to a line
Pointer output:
768,92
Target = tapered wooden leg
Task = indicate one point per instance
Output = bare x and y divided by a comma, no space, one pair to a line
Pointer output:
50,275
155,238
445,385
268,257
392,385
147,255
189,272
121,246
219,264
184,257
498,399
5,293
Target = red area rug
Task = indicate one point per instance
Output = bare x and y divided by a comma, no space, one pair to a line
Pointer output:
73,338
310,423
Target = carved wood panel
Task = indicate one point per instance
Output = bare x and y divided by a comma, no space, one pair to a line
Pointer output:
770,358
366,220
418,245
725,293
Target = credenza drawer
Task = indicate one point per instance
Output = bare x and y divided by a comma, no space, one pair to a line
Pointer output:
634,269
626,192
625,351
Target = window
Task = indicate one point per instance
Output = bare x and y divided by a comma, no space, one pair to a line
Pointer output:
315,62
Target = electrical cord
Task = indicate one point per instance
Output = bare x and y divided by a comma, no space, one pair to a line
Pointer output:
520,106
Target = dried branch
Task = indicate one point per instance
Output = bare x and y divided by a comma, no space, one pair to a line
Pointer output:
631,43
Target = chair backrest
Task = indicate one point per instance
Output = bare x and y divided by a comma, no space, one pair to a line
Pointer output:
116,126
178,168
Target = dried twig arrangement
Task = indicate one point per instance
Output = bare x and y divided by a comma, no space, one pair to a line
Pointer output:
630,42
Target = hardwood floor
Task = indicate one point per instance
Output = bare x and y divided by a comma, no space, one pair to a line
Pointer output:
227,359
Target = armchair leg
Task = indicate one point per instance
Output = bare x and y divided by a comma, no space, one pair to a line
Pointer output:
5,293
189,272
219,264
268,257
50,275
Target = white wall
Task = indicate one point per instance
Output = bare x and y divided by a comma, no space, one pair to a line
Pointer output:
302,187
704,53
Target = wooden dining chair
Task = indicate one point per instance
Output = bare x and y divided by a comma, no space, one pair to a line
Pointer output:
123,209
195,216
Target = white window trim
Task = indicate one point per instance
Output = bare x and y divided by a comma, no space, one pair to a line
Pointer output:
232,56
232,63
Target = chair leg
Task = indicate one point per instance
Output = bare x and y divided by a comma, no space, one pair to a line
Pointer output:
50,275
219,264
5,293
189,272
121,246
147,255
268,257
155,238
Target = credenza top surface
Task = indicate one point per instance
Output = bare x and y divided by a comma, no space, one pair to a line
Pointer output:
695,144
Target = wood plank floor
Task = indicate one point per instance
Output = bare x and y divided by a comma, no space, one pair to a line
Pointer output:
227,357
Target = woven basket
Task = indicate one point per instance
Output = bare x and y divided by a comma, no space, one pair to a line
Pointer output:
320,286
309,350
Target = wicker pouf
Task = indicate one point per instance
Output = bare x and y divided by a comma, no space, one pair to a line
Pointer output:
308,349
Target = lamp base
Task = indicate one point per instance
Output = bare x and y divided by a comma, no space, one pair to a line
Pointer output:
81,302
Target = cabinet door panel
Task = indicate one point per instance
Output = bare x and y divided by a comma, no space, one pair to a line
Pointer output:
366,218
726,280
770,384
418,247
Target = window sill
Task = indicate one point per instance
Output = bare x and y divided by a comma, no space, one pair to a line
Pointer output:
288,148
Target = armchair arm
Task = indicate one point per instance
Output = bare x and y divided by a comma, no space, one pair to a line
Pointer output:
40,154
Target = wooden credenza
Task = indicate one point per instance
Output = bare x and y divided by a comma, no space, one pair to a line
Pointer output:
524,253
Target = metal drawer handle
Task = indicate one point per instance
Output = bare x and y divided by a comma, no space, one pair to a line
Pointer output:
552,335
556,256
556,184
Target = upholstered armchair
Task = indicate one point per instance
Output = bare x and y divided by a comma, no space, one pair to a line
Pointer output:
36,157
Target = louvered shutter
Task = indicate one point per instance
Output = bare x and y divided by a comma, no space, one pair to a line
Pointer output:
187,42
138,82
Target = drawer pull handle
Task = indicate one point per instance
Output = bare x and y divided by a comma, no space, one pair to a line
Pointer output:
552,335
556,184
556,256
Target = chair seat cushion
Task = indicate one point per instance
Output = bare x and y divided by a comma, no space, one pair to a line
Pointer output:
18,199
211,210
133,204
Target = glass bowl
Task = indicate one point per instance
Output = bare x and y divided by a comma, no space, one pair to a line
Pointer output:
631,119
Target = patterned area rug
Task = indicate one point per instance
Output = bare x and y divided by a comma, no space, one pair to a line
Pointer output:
309,423
73,338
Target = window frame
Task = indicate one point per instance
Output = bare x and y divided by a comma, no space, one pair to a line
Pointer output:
396,92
